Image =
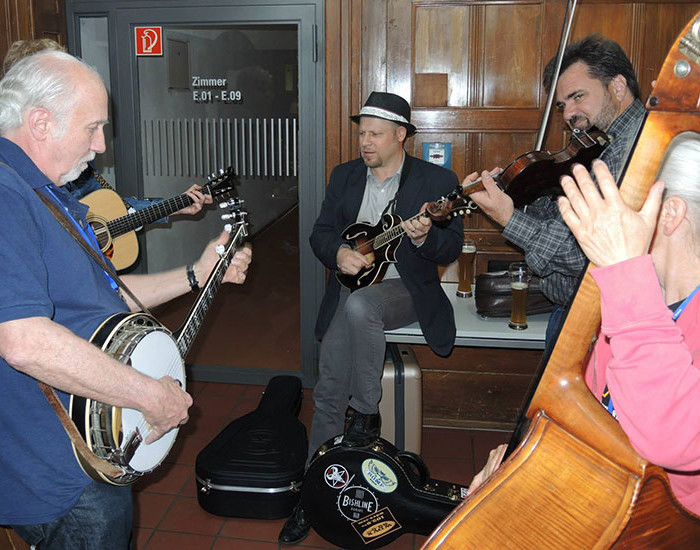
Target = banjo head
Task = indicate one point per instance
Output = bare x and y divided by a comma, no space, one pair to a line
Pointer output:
155,355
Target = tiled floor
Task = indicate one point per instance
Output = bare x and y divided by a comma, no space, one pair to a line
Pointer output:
167,515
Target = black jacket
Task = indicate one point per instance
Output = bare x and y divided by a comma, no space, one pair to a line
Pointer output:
426,182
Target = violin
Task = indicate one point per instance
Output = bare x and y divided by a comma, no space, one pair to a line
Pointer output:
537,173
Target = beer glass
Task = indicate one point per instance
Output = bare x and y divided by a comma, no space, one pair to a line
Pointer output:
520,276
466,269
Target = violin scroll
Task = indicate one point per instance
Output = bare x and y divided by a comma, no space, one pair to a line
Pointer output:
448,207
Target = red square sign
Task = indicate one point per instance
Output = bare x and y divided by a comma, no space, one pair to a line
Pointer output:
149,40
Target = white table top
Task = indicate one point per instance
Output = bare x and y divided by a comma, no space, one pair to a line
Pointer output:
474,330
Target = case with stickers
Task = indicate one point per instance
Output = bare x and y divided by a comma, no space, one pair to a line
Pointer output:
254,467
367,497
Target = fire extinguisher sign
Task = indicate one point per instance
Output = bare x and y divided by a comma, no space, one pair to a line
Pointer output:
149,40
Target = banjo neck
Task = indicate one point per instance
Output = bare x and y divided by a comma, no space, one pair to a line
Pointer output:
186,334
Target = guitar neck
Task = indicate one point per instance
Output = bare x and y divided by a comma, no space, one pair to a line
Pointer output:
130,222
186,335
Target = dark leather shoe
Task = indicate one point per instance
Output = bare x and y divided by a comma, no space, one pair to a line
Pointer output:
363,430
296,528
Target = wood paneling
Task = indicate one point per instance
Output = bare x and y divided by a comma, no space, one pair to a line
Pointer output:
475,387
27,19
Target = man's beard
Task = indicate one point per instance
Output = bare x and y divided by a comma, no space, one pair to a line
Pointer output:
75,172
607,114
376,162
603,120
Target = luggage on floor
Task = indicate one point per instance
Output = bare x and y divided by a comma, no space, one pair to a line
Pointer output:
401,406
254,467
366,497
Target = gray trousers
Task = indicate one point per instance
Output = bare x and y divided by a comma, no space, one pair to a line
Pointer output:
351,360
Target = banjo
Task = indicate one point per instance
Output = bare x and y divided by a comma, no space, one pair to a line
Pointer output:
116,435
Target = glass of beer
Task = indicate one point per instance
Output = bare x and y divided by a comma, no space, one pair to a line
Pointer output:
466,269
520,276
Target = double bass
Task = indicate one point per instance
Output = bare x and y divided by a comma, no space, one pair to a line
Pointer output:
574,480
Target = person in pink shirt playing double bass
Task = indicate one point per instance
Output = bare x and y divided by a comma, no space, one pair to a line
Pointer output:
644,367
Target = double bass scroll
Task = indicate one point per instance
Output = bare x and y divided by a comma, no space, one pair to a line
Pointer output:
574,481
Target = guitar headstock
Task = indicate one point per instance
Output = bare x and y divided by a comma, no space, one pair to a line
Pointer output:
223,178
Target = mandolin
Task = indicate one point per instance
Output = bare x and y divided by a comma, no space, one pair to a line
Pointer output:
115,228
379,242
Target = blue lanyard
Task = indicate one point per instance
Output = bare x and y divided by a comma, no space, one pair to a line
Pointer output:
680,308
87,234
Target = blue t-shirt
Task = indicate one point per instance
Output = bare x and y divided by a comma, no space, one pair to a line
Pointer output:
43,273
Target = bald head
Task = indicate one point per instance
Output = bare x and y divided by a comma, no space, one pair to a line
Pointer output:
54,106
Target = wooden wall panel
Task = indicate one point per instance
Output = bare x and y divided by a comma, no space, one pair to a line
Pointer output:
27,19
511,49
442,45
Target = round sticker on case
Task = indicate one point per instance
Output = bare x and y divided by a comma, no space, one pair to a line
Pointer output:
379,475
355,502
336,476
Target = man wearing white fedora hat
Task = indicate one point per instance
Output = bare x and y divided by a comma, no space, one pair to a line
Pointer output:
351,325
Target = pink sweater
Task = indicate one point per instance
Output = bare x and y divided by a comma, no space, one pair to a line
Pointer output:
652,368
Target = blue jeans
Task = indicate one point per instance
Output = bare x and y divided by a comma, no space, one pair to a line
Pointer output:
556,322
100,520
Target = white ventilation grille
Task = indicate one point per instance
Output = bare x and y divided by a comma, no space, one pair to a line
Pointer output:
253,147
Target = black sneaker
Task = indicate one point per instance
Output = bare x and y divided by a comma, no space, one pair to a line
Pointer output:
363,430
296,528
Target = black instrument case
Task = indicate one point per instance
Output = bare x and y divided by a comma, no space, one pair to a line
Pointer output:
254,467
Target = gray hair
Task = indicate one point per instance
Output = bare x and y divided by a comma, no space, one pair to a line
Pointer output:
39,80
680,171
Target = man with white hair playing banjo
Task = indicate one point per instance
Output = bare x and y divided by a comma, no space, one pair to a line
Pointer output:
53,108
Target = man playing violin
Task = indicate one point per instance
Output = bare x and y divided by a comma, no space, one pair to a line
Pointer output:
597,87
351,325
645,365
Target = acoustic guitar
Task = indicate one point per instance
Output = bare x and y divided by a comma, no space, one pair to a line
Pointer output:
116,435
574,480
115,228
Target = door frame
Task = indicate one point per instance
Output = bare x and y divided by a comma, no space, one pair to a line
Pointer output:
309,16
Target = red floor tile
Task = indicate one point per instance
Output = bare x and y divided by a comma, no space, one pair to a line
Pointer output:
150,508
266,530
186,449
141,537
186,515
165,540
234,544
168,478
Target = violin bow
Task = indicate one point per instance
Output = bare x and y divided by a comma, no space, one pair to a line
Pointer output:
565,31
